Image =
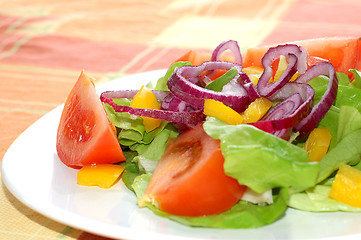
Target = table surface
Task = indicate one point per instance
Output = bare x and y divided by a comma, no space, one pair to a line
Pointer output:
45,44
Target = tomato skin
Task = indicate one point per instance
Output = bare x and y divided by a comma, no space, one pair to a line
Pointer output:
342,53
85,135
189,179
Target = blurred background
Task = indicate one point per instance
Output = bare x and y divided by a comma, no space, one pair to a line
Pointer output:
45,44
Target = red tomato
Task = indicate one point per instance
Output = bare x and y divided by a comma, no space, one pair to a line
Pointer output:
189,179
195,57
85,135
343,53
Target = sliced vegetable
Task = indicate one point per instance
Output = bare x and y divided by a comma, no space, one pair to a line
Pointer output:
296,57
146,99
274,162
341,52
320,109
189,179
84,134
347,186
256,110
317,144
101,175
224,113
183,85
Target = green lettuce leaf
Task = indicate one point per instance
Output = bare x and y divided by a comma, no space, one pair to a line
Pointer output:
130,130
330,121
348,148
260,160
218,84
161,84
316,199
357,82
150,154
241,215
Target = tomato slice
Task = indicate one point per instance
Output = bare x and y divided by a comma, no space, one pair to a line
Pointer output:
85,135
342,53
189,179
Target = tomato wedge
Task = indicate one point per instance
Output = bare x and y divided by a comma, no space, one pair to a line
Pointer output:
85,135
189,179
342,53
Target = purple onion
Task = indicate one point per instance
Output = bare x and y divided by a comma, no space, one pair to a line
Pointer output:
321,108
188,118
182,84
297,61
227,45
285,114
159,95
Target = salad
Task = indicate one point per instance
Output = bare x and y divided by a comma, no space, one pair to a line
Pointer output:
223,141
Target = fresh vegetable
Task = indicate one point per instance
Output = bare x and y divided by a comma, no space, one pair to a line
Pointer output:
342,53
189,179
347,186
85,136
256,110
145,98
224,113
240,141
102,175
317,144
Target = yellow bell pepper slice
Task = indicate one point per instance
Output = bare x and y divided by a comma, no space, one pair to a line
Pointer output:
101,175
222,112
317,144
256,110
145,98
282,66
347,186
254,73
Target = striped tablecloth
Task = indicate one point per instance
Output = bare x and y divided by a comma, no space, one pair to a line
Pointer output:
45,44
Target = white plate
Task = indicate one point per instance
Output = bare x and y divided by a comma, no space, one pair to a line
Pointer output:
32,171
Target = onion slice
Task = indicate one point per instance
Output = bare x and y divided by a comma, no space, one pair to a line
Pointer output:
183,81
297,61
322,107
159,95
227,45
188,118
287,113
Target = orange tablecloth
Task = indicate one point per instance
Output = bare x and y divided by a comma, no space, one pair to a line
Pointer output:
45,44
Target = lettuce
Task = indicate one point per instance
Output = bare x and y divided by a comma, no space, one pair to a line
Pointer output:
348,148
316,199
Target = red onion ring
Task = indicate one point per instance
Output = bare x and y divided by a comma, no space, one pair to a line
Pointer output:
188,118
182,84
159,95
321,108
297,61
227,45
285,114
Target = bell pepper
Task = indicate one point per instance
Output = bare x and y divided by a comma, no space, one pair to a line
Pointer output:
254,73
346,187
101,175
317,144
145,98
256,110
222,112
